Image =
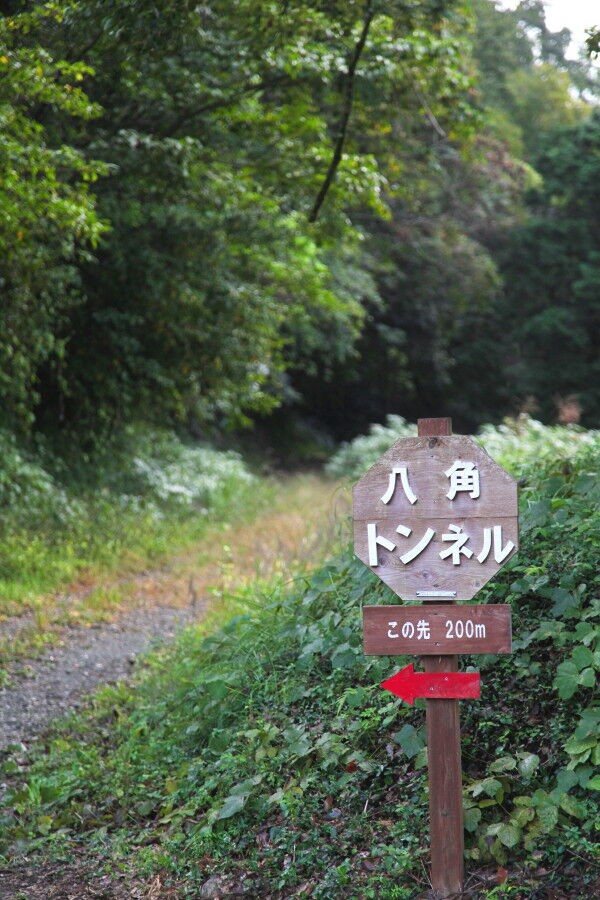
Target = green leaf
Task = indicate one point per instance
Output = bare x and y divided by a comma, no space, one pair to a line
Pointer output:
548,816
488,786
567,679
587,678
572,806
410,740
575,747
565,780
344,657
563,601
537,514
510,834
529,764
503,764
472,818
232,806
245,787
594,783
582,657
589,724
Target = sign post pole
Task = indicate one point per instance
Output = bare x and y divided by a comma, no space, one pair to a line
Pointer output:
435,518
443,757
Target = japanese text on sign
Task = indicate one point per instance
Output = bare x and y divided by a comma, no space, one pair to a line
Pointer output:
463,477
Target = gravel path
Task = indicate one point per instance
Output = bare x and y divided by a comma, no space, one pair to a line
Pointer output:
54,683
302,527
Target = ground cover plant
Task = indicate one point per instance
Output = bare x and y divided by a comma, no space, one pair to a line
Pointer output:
133,500
264,758
518,444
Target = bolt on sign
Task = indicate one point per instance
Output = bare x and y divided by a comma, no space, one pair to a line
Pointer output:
435,518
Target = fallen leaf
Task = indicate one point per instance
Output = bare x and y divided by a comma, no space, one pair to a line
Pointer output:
501,875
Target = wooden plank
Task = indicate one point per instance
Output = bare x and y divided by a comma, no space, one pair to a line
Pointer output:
426,465
420,494
444,757
429,572
438,426
395,630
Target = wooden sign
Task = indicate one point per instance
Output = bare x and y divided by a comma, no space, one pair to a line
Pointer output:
435,518
435,630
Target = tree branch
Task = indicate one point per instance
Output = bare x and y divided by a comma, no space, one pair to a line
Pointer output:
346,111
220,103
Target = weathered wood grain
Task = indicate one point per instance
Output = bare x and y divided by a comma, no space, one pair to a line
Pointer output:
481,629
444,765
426,459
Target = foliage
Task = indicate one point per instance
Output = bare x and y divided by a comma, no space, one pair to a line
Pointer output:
354,457
265,755
218,128
550,265
47,214
527,83
212,211
63,515
541,103
516,444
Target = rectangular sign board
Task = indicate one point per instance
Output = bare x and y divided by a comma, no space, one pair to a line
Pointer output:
437,630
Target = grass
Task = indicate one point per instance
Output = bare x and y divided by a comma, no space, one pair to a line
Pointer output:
275,528
129,503
263,755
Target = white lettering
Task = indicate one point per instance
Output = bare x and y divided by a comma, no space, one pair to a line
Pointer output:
467,628
372,540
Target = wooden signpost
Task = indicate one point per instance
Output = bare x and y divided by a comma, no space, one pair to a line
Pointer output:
435,518
391,630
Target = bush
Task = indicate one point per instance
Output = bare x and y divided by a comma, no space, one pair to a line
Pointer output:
60,515
516,444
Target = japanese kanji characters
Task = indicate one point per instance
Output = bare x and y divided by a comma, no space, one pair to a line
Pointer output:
423,630
434,517
403,473
463,476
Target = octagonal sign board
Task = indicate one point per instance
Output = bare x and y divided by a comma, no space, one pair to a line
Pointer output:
435,518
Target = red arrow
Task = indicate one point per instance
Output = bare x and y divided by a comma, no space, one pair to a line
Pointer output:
409,684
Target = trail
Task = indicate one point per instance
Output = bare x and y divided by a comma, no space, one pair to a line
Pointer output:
301,527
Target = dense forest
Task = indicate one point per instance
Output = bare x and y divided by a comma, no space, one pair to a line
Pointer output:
294,213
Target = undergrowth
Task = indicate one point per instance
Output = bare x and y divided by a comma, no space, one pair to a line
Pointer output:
135,500
265,757
517,444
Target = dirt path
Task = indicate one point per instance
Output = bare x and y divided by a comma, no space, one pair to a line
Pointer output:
305,522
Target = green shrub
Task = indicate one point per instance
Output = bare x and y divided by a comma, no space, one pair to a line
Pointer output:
60,515
517,444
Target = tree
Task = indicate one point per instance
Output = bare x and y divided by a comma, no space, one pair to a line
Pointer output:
47,213
551,267
239,138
